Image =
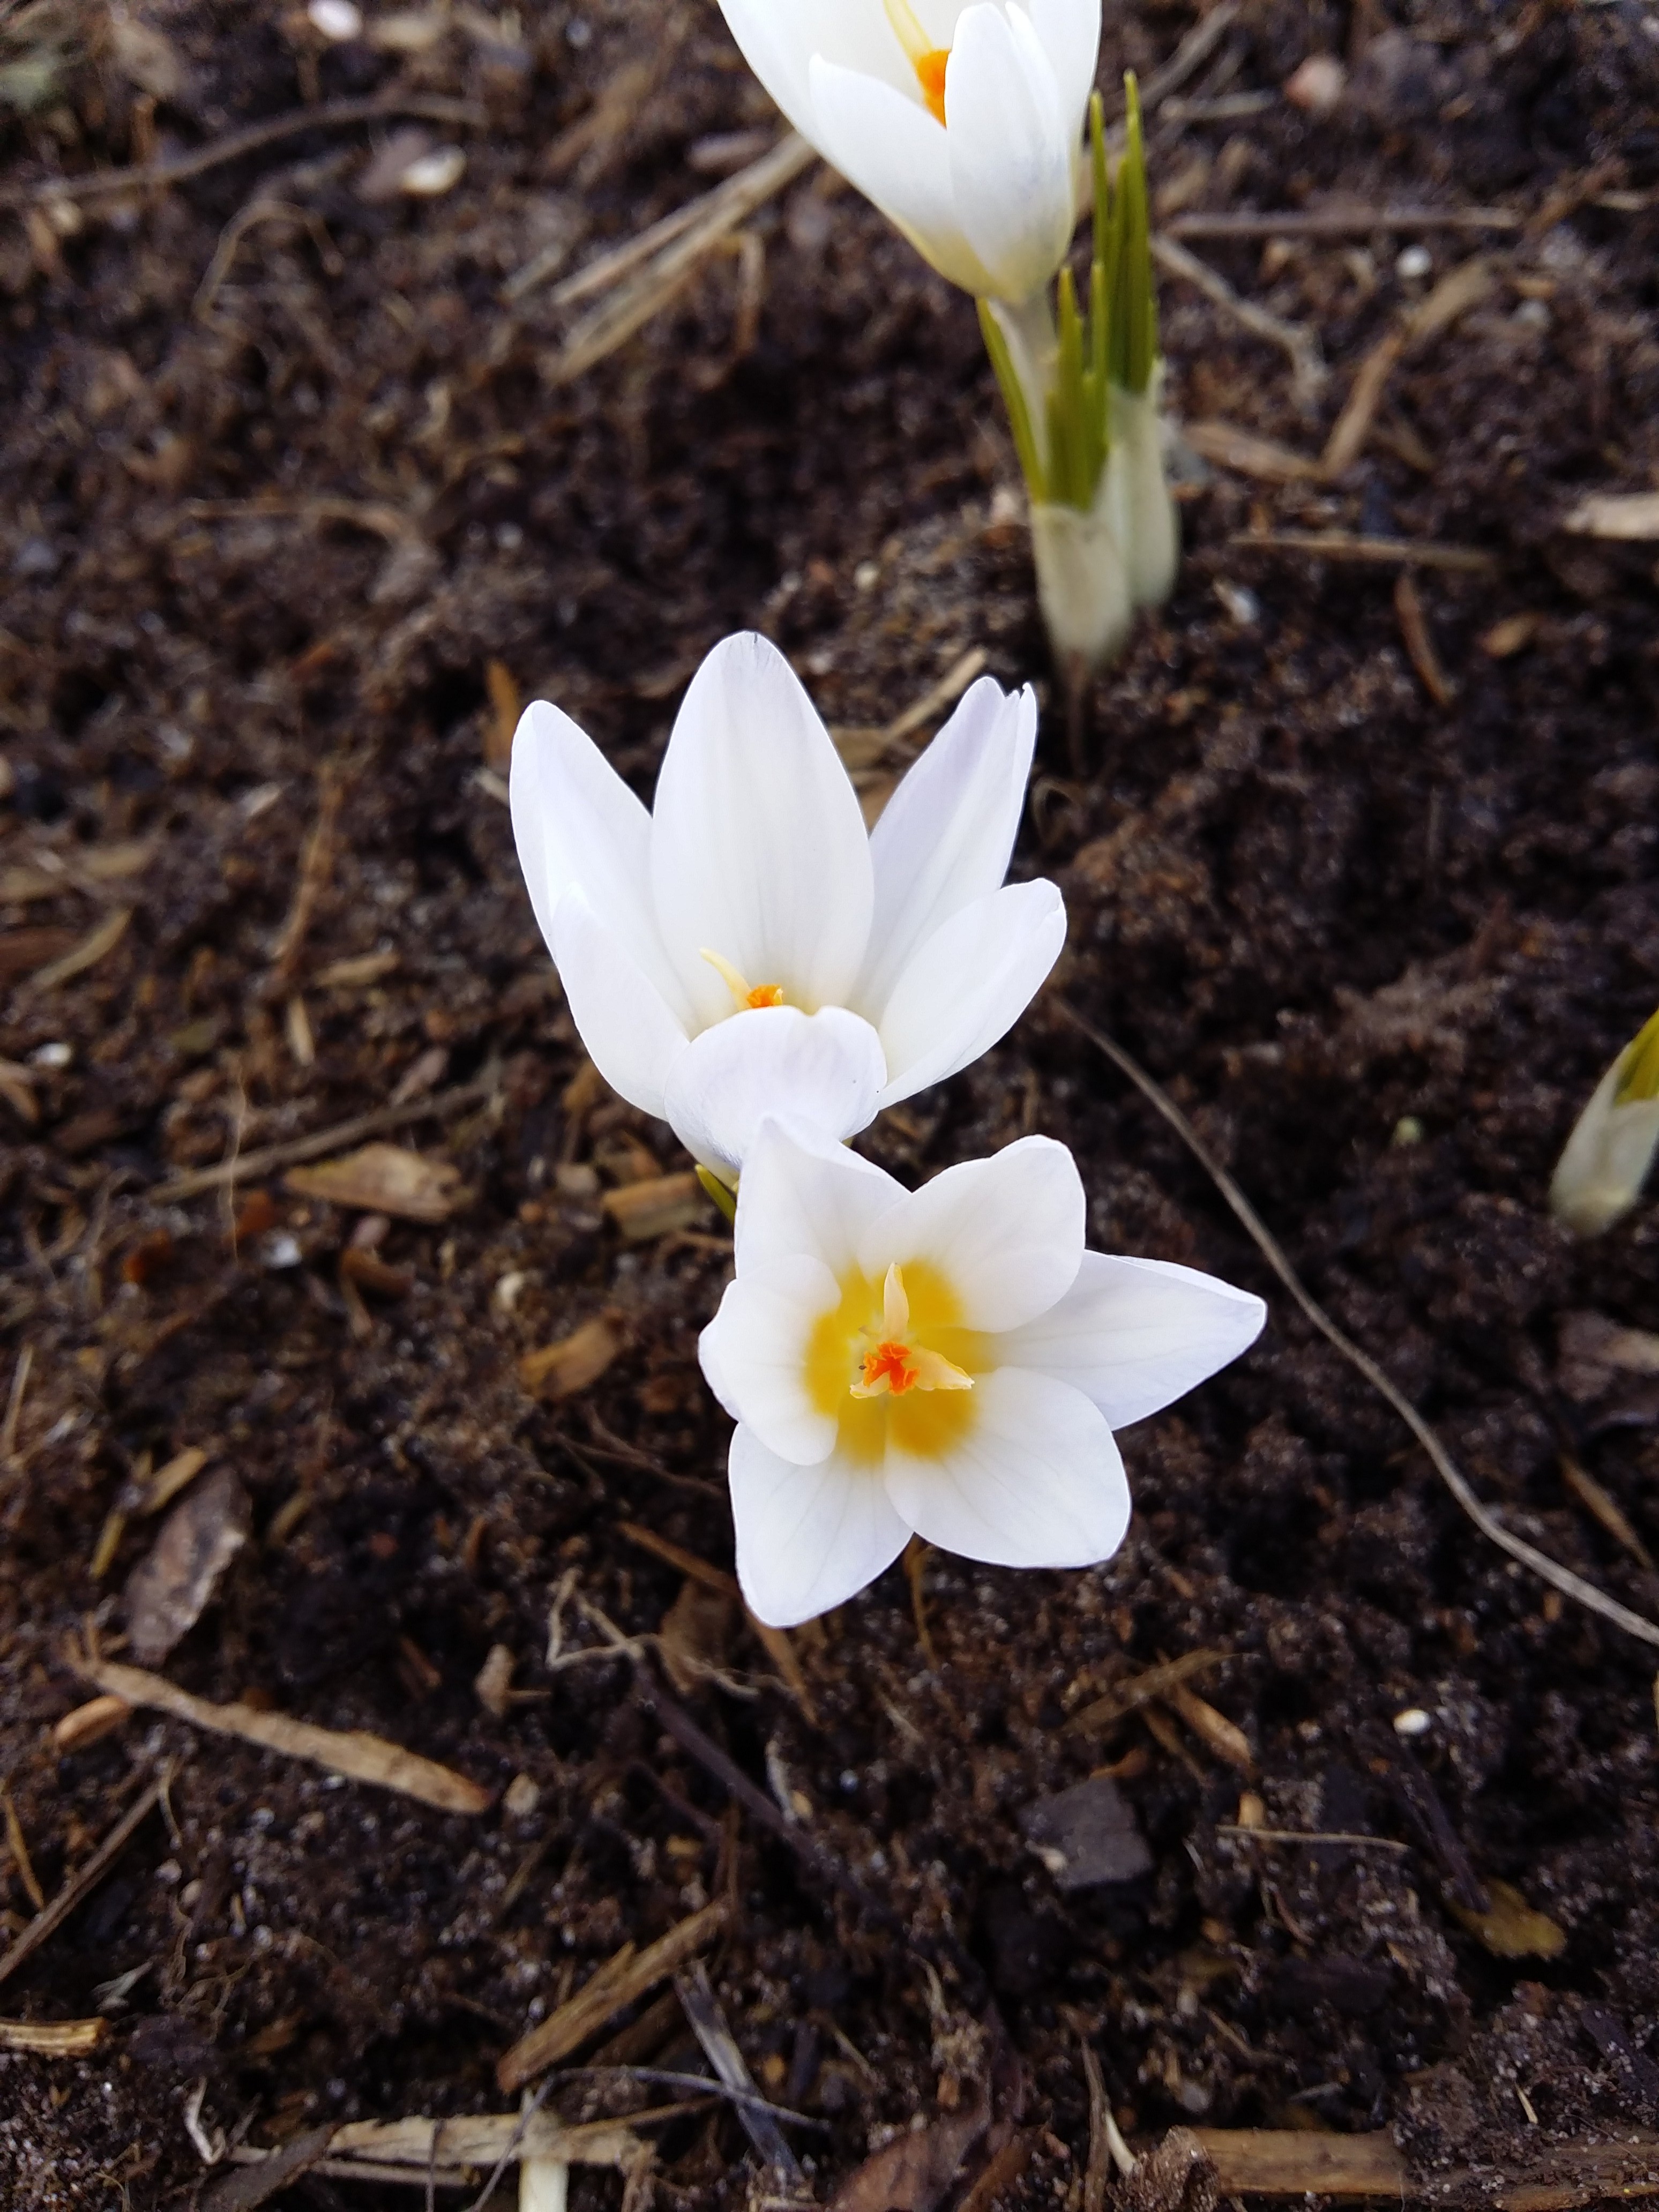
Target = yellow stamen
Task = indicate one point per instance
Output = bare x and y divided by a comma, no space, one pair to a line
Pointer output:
895,1366
745,993
926,59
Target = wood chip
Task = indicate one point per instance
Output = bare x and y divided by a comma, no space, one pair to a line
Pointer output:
17,1846
1512,1930
1273,2162
172,1584
382,1179
1632,516
1246,454
1511,635
1211,1728
914,2171
625,1978
52,2039
1463,287
250,2187
165,1485
646,1210
26,952
53,873
505,705
356,973
91,949
1124,1697
90,1723
353,1752
574,1362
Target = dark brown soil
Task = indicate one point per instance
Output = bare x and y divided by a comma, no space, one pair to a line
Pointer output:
1379,947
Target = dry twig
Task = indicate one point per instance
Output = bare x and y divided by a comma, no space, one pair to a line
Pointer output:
1559,1578
442,1106
335,115
85,1878
1341,222
622,1979
1295,340
351,1752
1384,552
53,2039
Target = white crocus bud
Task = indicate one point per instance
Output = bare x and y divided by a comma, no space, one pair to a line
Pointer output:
1600,1176
964,124
949,1362
1143,513
748,947
1083,582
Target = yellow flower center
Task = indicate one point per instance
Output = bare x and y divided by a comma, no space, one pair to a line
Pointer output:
895,1362
927,60
743,991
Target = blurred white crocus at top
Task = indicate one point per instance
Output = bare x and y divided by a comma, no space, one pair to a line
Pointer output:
1600,1174
964,124
749,948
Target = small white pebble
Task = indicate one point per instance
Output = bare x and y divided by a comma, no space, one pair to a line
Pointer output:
51,1056
429,176
280,1250
1317,85
1416,261
1533,315
335,19
1241,603
866,576
1413,1721
509,1288
1407,1130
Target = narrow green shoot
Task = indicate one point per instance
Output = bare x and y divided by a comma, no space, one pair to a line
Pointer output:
1638,1076
1134,316
1014,399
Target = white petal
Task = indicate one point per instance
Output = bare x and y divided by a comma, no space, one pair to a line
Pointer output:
1013,165
1069,33
1136,1335
808,1537
1606,1160
969,985
945,834
578,826
631,1033
804,1193
754,1354
823,1070
778,43
1036,1481
1005,1233
758,850
890,148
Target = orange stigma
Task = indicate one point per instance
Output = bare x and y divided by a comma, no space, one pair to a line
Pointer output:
930,75
765,995
888,1368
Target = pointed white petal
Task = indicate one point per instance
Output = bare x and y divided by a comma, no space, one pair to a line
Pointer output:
1606,1160
1136,1335
889,147
823,1070
1069,33
578,826
1036,1482
758,850
1005,1233
806,1194
754,1354
631,1033
969,985
808,1537
1012,163
778,43
945,834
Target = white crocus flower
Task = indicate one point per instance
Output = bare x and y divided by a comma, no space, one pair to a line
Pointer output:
748,948
1600,1174
949,1362
964,124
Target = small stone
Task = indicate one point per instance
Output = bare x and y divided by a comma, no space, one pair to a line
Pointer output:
429,176
1413,1721
338,19
1413,265
1318,86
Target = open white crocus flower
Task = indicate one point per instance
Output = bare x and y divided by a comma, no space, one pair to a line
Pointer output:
748,948
964,124
949,1362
